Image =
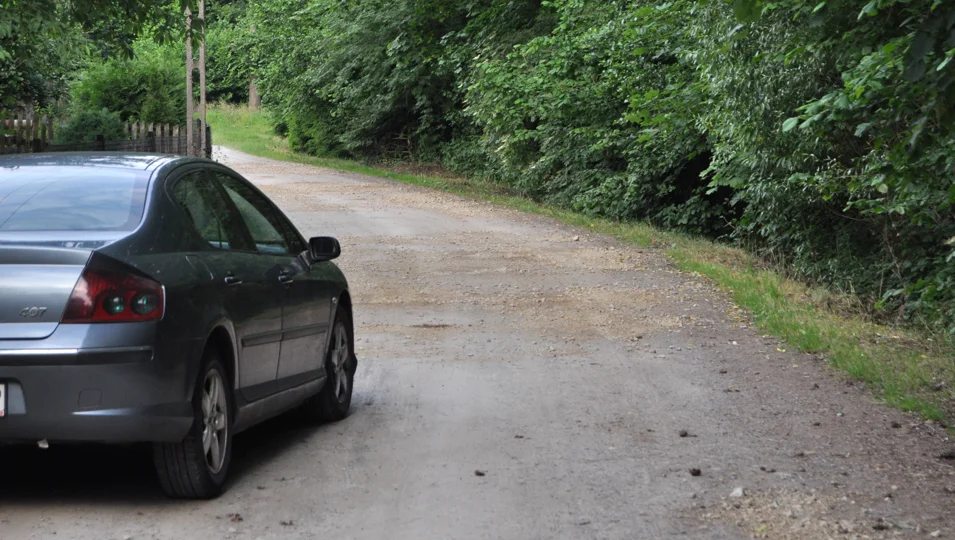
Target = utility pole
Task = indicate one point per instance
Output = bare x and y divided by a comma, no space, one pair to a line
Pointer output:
255,100
189,103
202,79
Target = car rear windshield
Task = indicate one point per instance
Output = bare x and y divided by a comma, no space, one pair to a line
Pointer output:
71,199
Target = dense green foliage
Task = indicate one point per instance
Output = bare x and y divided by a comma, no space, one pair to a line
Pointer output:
89,125
42,42
149,87
34,70
127,57
820,133
362,78
601,115
228,60
858,187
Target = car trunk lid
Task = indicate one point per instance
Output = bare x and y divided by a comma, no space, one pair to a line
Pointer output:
35,285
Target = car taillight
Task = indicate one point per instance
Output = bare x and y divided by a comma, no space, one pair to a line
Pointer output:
104,297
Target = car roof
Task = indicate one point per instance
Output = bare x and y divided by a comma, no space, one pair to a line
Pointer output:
118,160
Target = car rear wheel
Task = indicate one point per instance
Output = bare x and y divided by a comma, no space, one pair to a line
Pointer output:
333,401
196,467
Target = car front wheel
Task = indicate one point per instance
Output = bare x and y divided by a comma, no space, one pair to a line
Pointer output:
333,401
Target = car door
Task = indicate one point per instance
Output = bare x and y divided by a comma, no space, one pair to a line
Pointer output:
251,297
308,311
306,307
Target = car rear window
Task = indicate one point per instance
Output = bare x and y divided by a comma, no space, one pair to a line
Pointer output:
71,199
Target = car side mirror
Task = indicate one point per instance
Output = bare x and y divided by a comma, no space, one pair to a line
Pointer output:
323,248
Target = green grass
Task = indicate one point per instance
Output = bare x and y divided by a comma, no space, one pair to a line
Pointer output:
251,132
911,370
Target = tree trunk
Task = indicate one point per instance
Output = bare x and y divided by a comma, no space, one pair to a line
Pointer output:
190,104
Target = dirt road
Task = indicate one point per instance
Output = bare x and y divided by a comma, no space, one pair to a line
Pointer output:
520,379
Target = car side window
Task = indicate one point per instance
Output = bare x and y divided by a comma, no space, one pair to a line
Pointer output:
264,224
207,211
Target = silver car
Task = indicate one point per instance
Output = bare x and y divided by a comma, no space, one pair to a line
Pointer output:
164,300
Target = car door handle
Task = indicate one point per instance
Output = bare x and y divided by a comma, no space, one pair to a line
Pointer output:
232,281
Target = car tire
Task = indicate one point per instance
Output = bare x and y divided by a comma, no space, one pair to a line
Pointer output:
333,401
196,467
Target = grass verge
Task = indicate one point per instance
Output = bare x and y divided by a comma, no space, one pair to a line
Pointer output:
911,370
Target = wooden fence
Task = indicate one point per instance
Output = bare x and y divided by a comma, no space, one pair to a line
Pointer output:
30,133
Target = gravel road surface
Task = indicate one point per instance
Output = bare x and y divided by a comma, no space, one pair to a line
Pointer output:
521,379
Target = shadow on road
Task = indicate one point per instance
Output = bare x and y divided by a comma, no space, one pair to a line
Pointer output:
123,475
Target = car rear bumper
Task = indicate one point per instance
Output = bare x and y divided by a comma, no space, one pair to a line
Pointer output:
111,395
111,426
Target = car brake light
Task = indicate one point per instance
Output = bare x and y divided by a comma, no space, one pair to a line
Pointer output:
104,297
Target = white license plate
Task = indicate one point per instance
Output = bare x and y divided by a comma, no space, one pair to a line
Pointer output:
3,400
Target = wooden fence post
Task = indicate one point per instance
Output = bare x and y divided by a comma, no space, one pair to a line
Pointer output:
35,132
43,139
208,148
26,132
196,150
18,132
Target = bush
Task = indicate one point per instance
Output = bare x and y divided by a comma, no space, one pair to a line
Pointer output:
150,87
360,80
599,115
227,63
87,126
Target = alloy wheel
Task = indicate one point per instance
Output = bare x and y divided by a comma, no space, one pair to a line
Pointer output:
215,418
339,358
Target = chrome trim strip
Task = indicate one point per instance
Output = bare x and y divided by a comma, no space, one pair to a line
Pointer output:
107,350
71,352
39,352
164,299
